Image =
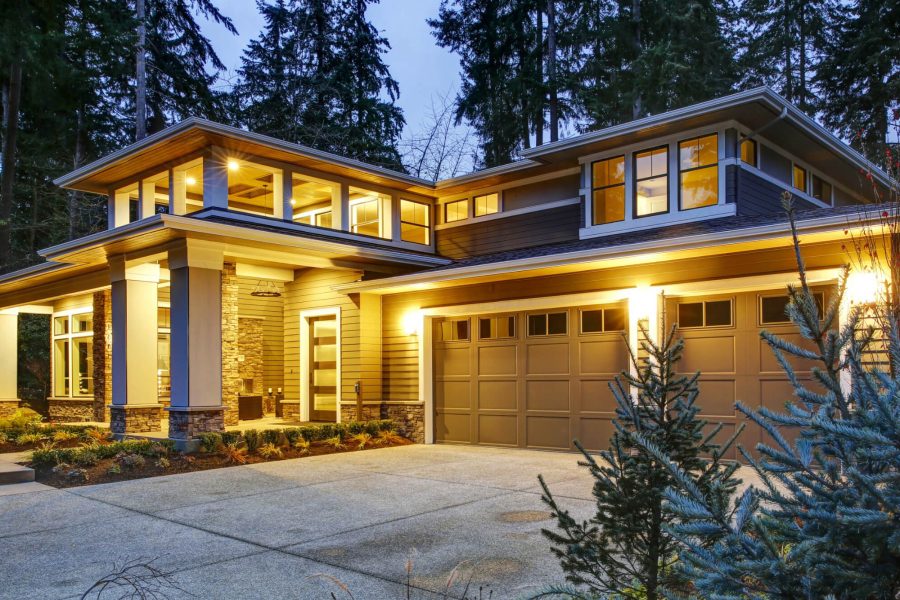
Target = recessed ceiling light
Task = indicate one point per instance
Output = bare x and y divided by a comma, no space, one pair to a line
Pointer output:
293,202
190,181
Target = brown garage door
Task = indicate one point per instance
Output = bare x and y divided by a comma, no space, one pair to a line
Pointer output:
722,341
528,379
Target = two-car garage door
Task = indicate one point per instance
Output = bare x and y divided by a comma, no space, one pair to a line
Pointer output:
541,379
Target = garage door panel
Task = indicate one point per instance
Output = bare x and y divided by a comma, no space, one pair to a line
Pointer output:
498,395
774,393
548,359
547,432
452,427
716,398
728,429
452,394
548,395
453,361
498,429
597,397
497,360
715,354
594,434
602,357
769,364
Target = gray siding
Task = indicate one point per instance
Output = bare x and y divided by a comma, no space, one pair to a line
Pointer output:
541,192
755,195
510,233
774,164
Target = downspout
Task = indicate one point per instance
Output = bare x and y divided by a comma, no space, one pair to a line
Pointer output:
753,134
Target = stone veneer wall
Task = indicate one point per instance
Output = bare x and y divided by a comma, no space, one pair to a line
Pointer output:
102,355
139,419
231,377
250,344
185,425
409,418
8,407
70,409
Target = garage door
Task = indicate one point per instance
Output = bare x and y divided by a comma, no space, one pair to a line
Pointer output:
528,379
722,341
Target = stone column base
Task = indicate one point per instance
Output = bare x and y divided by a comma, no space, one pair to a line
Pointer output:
134,419
188,423
70,409
8,406
370,412
290,410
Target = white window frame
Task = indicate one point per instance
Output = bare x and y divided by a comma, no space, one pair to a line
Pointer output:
381,216
69,338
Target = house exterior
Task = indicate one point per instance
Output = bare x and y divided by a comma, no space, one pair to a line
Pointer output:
242,275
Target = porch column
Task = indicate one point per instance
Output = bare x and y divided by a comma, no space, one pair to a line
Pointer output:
196,338
135,403
9,393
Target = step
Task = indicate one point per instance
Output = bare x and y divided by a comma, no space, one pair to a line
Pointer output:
13,473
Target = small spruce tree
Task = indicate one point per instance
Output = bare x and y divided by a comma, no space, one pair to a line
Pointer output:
626,550
825,523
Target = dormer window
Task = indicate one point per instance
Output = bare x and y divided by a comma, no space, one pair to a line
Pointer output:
487,204
799,178
609,190
699,172
651,182
748,152
457,210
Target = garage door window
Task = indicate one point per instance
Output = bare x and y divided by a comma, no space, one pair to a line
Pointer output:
497,328
602,320
555,323
713,313
455,330
772,309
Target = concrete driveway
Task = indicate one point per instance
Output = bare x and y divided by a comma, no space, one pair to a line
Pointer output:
304,528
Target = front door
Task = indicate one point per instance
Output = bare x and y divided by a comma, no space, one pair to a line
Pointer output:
323,368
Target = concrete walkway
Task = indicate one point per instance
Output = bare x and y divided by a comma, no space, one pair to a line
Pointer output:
303,528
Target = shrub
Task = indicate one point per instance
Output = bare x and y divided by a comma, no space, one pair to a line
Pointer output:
26,439
3,437
85,457
98,436
210,441
64,435
302,446
252,440
336,442
388,437
234,453
45,457
22,420
231,437
114,469
268,451
163,462
362,439
131,460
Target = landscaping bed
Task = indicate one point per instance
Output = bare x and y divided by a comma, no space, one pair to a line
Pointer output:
26,431
108,461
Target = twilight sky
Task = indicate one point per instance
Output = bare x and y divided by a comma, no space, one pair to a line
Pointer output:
421,68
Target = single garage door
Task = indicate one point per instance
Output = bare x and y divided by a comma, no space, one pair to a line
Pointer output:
528,379
722,341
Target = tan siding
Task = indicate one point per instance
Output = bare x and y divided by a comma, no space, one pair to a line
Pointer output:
271,311
73,303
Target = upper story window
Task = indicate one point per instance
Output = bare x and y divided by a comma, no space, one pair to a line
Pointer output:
799,178
608,177
456,210
699,172
821,189
415,222
312,200
487,204
748,153
651,182
366,209
252,187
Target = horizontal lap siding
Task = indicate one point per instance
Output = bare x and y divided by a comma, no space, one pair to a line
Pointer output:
758,196
510,233
271,310
401,351
312,289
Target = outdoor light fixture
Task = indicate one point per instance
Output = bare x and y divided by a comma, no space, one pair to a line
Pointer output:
412,322
293,202
642,302
190,180
864,287
265,289
233,165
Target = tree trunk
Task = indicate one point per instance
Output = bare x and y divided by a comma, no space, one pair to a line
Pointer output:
551,70
801,23
539,65
7,183
140,101
76,163
788,75
637,109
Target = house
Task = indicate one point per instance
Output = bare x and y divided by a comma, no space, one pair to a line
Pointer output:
242,275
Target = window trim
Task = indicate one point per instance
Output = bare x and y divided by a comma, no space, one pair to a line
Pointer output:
623,185
729,299
456,320
491,317
426,226
457,201
602,309
682,171
355,226
762,296
635,180
546,314
69,338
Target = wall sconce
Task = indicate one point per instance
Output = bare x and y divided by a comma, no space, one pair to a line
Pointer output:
864,287
412,322
642,302
233,165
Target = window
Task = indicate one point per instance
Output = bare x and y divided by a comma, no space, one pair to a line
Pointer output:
415,222
455,330
821,189
799,178
555,323
251,187
711,313
497,328
163,352
601,320
651,182
323,219
364,218
773,309
699,172
73,355
456,210
311,200
487,204
608,177
748,152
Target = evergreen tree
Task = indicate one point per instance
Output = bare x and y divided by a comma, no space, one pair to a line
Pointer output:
859,76
824,522
626,549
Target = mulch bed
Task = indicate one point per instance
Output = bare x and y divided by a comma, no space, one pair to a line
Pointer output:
179,463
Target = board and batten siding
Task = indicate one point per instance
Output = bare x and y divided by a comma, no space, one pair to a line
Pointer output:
270,310
360,332
400,371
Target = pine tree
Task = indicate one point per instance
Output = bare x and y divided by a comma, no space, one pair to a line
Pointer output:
626,549
825,521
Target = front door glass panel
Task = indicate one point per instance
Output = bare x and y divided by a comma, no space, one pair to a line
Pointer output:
323,368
